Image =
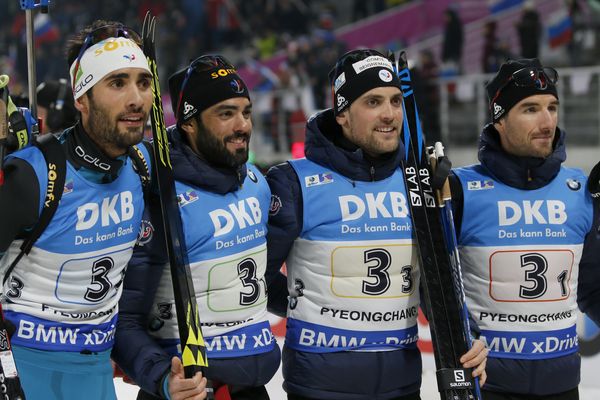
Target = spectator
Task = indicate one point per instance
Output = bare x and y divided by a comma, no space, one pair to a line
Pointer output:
427,93
529,29
453,40
56,108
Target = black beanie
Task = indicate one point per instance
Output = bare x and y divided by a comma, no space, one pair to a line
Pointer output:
210,80
503,93
357,72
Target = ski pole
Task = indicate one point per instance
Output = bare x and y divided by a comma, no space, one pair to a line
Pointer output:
3,122
29,6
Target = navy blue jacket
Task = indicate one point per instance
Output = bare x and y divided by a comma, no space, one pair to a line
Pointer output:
135,351
537,377
339,375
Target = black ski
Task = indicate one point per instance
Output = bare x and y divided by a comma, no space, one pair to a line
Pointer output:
193,348
442,285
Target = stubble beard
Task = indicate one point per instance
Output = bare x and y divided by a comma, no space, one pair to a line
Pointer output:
215,151
104,130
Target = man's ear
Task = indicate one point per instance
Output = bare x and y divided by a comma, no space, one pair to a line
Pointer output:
500,126
342,119
189,127
82,104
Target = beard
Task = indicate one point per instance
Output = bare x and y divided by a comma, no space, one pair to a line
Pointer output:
104,128
215,151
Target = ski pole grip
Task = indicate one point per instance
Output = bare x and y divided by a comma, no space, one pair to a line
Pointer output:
438,150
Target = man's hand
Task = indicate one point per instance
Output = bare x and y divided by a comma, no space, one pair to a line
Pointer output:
181,388
476,358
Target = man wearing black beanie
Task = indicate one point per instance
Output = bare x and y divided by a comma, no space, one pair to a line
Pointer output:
56,107
529,240
224,203
339,219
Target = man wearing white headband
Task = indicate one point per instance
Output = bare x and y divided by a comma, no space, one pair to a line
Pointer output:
62,296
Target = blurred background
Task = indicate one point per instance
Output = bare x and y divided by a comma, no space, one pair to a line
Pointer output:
285,48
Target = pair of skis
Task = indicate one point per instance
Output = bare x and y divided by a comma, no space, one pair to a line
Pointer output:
193,348
425,174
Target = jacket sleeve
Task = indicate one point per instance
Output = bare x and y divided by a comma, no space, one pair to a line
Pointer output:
19,201
135,351
588,291
285,225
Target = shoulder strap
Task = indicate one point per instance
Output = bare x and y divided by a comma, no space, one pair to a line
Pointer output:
594,182
56,165
140,165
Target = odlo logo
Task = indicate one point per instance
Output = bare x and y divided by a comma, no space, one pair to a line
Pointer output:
498,109
83,83
187,108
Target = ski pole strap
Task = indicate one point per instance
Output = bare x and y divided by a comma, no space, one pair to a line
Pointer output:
594,182
56,164
454,379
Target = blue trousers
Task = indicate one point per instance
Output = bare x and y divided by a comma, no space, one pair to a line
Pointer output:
61,375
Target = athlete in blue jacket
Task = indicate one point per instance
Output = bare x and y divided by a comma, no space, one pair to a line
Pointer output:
63,296
339,219
224,204
529,240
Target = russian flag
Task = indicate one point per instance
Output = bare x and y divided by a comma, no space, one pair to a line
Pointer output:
44,30
497,6
560,28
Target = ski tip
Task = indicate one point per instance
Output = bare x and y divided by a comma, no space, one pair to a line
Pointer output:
403,57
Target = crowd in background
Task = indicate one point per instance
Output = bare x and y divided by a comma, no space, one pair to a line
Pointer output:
242,30
250,32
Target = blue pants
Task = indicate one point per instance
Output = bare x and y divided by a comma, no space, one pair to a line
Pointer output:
60,375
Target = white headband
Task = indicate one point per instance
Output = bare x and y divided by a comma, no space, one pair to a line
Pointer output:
103,58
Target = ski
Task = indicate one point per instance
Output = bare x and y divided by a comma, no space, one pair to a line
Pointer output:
193,348
434,233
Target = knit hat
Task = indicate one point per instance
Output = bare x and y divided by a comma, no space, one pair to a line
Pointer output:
516,80
208,80
357,72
